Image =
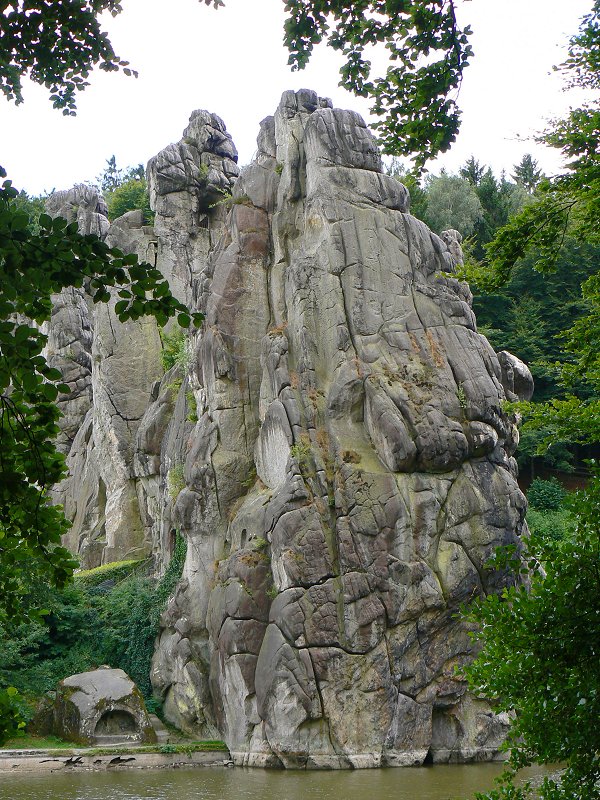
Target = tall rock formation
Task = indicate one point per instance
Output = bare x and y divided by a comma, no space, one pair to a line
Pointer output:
334,451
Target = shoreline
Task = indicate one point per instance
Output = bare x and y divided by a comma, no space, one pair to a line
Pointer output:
13,762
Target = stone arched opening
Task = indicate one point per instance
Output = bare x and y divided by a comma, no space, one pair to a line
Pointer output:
117,723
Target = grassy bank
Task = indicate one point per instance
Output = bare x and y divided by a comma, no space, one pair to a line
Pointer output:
59,747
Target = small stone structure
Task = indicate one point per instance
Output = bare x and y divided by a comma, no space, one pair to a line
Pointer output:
100,707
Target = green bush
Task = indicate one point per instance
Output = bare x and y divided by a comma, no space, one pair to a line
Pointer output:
190,399
35,656
169,580
115,571
127,637
175,481
11,719
154,706
129,196
550,526
90,623
546,495
174,349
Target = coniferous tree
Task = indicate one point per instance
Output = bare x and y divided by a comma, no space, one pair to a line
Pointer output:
111,177
527,174
472,171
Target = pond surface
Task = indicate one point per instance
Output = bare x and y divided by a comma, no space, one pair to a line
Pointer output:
216,783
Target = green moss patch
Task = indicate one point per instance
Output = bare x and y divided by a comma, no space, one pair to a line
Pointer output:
115,571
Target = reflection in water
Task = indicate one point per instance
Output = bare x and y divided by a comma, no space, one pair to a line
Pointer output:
422,783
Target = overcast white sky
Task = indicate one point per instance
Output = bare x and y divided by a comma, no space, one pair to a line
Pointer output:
232,62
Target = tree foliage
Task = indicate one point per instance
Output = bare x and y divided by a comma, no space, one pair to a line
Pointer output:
452,202
125,190
474,202
57,44
472,170
113,176
549,527
540,647
110,615
564,212
573,413
570,202
500,199
32,206
540,652
546,495
33,267
529,314
130,195
527,173
427,53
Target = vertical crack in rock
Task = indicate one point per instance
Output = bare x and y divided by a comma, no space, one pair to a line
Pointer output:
346,469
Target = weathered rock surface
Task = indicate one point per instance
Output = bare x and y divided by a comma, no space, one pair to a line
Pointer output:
186,182
70,331
104,705
112,367
334,451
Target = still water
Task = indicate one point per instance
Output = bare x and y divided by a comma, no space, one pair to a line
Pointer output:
216,783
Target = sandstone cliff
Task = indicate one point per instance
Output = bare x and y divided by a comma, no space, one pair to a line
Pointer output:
333,449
